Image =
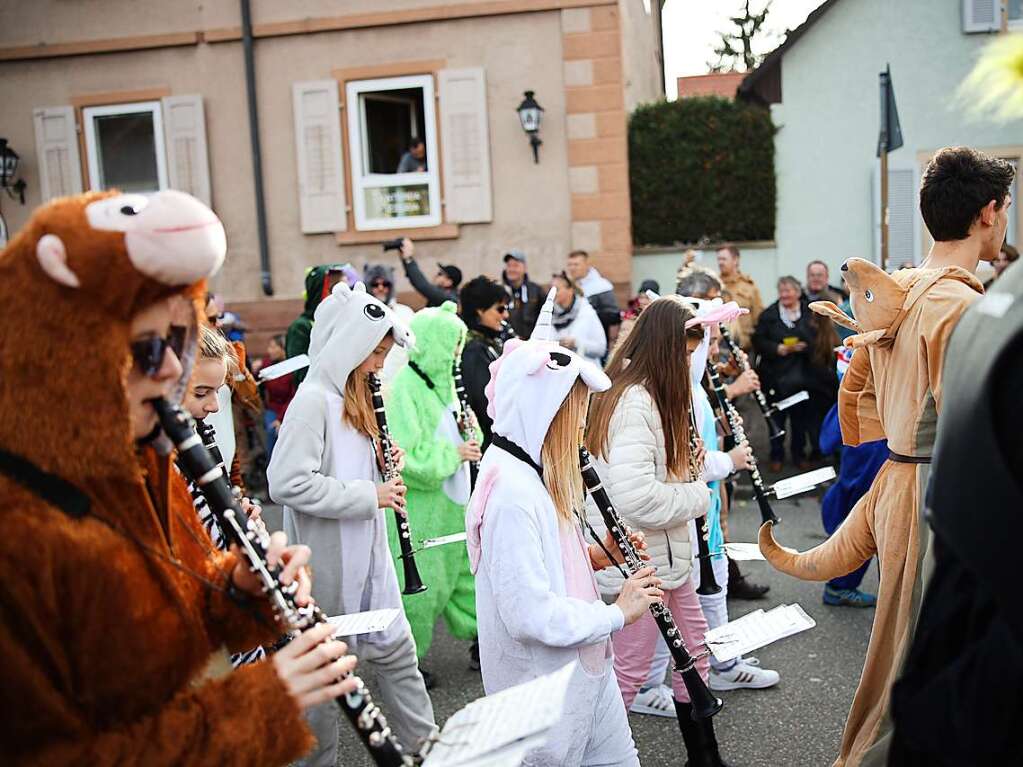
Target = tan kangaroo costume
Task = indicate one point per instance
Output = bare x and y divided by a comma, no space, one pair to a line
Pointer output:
892,390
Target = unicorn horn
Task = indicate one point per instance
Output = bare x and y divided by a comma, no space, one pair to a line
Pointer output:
544,330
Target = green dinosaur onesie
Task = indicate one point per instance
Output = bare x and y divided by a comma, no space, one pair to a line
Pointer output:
421,405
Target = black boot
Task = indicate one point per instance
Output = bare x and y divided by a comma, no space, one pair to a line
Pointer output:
740,588
701,744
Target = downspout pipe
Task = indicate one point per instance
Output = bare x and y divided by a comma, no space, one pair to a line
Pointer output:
257,153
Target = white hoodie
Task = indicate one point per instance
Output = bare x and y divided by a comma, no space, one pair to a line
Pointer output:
325,473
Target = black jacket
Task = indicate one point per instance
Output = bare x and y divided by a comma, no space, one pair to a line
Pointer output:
434,296
787,374
524,308
481,348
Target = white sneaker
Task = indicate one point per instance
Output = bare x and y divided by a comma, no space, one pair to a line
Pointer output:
656,701
741,676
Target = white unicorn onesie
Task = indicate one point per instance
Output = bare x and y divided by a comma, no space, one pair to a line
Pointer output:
538,608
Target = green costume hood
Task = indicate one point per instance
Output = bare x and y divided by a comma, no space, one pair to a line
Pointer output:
440,335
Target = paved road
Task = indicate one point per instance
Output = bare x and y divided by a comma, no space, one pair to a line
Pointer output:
797,723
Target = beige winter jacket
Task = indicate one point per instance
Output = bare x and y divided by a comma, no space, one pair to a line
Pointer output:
636,480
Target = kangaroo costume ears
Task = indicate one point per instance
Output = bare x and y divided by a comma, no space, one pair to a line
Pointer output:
878,301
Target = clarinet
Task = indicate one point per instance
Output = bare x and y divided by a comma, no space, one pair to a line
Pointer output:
776,432
413,581
735,426
199,466
708,582
208,434
466,418
705,704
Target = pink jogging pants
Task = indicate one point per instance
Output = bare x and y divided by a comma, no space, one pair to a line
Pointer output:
634,645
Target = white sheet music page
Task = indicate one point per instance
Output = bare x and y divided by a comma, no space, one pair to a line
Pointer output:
429,543
498,730
757,629
744,552
368,622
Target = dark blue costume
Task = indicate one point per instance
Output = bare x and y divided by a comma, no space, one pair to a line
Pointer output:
859,467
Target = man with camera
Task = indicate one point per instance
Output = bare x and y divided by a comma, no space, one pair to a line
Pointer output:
445,283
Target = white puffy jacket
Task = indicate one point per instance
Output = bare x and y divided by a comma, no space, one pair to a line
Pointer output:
635,477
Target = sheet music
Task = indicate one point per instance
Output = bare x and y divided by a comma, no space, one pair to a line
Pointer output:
801,483
744,552
284,367
788,402
499,729
368,622
429,543
757,629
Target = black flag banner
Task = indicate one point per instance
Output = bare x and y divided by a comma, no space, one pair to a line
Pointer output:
890,137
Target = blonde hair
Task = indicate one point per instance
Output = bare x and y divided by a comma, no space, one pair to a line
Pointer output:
560,452
213,346
358,405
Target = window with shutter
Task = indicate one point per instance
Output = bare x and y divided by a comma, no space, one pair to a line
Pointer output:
465,134
321,188
903,218
57,149
188,168
392,138
982,15
124,147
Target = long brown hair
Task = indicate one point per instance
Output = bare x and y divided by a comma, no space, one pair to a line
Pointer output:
825,339
654,356
358,405
560,452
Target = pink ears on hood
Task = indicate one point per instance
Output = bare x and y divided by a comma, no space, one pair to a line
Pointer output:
717,314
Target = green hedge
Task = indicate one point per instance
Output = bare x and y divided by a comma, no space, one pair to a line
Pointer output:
701,168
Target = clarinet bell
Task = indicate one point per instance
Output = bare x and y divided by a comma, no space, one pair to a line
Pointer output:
705,703
413,582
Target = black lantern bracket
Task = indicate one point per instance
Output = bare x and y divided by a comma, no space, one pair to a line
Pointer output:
531,116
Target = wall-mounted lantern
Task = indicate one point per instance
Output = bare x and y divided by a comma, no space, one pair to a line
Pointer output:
531,115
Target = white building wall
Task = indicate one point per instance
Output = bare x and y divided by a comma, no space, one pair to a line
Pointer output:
828,119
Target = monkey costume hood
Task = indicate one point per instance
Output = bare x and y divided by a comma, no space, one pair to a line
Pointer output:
112,600
421,411
893,390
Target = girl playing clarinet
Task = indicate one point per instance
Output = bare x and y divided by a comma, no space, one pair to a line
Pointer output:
537,603
639,435
325,471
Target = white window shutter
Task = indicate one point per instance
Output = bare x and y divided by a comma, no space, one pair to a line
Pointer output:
982,15
184,130
903,217
321,181
60,170
465,133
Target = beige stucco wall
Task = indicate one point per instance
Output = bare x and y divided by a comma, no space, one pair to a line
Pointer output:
531,202
641,52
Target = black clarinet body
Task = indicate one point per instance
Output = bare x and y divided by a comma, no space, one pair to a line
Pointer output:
774,430
708,581
705,704
466,418
201,468
735,426
413,581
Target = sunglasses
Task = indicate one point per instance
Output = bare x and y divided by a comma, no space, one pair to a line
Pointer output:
148,353
379,284
501,308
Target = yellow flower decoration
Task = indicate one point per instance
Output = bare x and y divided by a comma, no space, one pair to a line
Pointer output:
995,86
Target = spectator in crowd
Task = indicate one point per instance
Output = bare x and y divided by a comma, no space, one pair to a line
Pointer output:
277,394
597,290
526,297
319,281
822,377
783,337
414,159
637,304
445,283
576,324
1006,256
379,281
817,287
742,290
484,305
